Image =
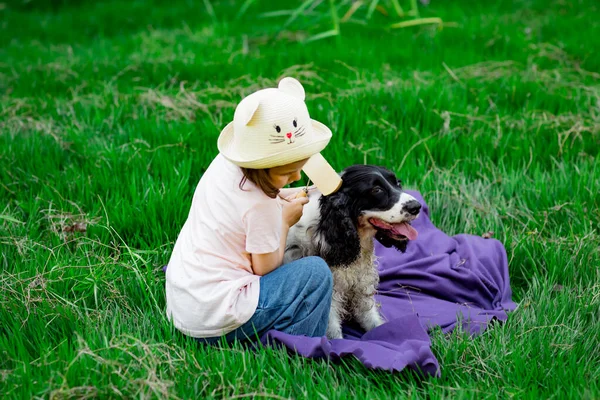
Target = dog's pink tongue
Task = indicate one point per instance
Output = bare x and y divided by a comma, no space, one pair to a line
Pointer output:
406,230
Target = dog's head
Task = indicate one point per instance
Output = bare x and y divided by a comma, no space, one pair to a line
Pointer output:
370,203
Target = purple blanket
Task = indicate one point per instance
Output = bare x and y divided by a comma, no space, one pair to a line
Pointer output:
439,281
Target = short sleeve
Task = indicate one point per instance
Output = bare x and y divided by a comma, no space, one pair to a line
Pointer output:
262,224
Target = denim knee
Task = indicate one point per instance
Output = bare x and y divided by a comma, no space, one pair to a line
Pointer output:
317,271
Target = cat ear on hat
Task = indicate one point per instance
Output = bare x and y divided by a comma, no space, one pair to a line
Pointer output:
293,87
246,109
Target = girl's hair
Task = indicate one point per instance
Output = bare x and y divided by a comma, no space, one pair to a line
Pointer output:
260,177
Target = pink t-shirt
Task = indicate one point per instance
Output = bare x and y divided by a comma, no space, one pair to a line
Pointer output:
211,289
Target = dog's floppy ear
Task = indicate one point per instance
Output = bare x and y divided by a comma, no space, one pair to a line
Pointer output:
337,235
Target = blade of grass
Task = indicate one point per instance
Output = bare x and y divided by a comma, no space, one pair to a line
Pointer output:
334,16
416,22
297,12
371,9
210,10
353,8
10,219
397,8
322,35
414,9
278,13
244,8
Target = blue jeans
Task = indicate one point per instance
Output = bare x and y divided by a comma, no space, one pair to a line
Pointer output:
295,298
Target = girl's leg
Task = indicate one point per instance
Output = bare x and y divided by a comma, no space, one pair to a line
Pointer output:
295,298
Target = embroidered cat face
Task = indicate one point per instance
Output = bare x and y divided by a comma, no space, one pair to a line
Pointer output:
294,131
276,116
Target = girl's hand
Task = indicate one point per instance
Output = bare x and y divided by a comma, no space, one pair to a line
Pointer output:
287,193
292,210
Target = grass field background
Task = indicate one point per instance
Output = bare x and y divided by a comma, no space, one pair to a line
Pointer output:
109,114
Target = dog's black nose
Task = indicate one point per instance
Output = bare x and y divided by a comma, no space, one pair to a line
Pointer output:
412,207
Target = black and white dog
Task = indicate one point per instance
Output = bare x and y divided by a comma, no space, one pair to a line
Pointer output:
341,227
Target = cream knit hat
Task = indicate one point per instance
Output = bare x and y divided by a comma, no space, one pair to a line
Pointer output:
272,127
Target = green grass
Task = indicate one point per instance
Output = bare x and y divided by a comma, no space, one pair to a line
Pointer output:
109,114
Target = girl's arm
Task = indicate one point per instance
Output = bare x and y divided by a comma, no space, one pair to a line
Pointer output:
262,264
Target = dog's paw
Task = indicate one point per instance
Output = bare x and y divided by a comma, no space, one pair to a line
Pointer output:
335,333
377,321
370,320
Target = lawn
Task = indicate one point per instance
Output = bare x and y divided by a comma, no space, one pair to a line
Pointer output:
109,114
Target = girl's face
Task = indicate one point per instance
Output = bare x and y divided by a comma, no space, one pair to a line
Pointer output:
286,174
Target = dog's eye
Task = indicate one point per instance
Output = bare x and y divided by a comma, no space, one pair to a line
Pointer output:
377,190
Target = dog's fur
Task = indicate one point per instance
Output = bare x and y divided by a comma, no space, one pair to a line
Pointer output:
338,228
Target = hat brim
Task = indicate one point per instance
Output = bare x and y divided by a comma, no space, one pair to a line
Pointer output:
322,136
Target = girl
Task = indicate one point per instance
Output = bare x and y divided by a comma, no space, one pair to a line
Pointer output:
225,275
